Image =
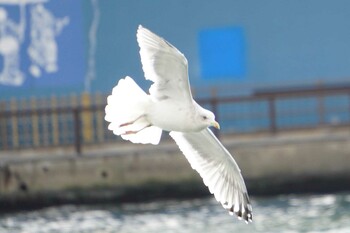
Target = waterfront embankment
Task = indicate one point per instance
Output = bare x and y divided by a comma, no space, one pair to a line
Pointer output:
300,161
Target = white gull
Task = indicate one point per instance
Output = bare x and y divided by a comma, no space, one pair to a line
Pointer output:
141,118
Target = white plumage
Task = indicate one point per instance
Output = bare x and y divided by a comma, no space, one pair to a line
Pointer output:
218,169
140,118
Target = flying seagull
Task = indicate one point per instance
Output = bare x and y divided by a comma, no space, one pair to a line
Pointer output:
169,106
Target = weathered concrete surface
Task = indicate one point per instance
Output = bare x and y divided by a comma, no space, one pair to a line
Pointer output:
290,162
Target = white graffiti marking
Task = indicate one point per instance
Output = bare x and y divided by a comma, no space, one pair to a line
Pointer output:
43,47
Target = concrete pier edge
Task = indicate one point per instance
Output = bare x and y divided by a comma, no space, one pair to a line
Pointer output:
281,164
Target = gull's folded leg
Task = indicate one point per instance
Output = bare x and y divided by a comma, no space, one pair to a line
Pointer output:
132,122
135,131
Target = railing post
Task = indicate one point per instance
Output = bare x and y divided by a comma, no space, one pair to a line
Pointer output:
3,127
272,114
87,118
35,122
77,130
321,110
45,122
214,108
100,117
14,123
349,108
54,121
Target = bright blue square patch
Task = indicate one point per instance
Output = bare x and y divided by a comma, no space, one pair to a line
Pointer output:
222,53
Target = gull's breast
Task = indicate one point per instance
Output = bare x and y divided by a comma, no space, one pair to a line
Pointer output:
172,116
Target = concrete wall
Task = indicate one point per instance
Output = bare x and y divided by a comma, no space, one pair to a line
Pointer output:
288,163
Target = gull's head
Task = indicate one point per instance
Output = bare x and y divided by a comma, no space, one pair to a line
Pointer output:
207,118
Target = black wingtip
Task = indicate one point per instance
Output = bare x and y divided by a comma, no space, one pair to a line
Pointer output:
243,214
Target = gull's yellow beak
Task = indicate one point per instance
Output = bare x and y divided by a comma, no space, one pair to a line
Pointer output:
215,124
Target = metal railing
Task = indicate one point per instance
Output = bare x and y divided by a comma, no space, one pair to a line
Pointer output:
263,111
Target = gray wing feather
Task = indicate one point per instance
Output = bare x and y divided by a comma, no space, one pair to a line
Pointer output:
218,169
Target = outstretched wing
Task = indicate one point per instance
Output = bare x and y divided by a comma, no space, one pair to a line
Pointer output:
166,66
218,169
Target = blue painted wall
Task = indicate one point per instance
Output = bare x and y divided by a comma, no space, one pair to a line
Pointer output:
222,53
285,41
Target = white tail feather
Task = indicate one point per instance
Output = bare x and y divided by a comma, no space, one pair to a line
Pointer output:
126,111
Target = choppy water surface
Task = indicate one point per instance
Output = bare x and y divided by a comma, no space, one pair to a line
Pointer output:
282,214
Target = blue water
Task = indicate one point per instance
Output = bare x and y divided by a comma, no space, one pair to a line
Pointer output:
280,214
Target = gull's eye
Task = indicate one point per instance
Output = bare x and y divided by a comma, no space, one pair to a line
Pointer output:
204,117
